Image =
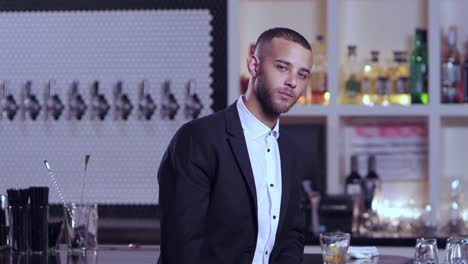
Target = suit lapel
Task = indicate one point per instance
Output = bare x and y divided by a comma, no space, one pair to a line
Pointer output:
235,137
286,167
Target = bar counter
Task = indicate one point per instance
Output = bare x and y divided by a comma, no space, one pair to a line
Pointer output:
108,254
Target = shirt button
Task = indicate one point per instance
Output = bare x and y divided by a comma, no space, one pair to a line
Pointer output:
266,253
271,185
268,150
274,217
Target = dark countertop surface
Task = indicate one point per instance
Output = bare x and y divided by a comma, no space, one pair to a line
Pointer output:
148,255
125,224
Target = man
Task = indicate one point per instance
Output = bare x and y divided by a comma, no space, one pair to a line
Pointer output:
230,183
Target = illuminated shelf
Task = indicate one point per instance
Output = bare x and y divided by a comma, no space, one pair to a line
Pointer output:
391,110
454,110
309,110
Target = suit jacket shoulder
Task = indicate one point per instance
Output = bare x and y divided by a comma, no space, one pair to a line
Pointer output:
205,128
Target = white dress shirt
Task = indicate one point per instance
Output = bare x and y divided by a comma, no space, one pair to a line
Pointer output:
264,155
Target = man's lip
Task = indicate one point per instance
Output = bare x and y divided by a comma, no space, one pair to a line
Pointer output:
286,94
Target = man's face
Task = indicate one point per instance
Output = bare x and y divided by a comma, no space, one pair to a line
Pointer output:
282,76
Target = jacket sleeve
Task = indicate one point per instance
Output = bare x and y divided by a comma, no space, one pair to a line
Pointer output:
292,244
184,195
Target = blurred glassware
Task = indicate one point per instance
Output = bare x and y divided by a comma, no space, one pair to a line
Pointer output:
456,250
55,235
4,222
334,247
82,226
426,251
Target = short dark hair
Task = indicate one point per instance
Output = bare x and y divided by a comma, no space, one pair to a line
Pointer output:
284,33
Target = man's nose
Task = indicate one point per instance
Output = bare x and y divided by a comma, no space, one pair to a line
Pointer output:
291,81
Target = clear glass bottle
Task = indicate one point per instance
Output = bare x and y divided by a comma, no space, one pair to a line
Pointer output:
451,72
400,80
318,74
370,73
351,86
382,87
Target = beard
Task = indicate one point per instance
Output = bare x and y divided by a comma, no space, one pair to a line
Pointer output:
265,95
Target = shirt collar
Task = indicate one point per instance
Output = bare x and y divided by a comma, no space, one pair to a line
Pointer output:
253,127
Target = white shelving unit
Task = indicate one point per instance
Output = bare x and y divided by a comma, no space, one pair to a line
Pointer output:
337,14
453,146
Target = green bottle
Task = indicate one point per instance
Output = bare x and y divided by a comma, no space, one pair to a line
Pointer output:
352,84
419,69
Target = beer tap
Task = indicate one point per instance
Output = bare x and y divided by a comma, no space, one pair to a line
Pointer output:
169,105
52,103
122,104
99,104
146,105
29,103
193,105
76,104
8,105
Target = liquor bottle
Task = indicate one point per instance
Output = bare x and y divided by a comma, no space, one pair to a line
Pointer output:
371,184
400,79
382,87
451,79
353,180
351,87
393,73
419,69
370,73
318,73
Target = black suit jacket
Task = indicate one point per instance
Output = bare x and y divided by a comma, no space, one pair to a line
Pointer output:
208,200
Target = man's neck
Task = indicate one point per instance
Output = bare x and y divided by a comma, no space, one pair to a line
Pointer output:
255,108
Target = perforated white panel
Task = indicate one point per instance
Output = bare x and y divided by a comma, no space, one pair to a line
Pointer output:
107,46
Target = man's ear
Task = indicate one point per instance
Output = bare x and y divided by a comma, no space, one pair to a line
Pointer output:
253,65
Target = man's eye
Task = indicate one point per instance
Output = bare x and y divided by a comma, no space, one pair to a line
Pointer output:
303,76
281,68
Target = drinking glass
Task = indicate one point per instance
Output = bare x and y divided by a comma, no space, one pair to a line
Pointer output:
426,251
82,224
456,250
334,247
